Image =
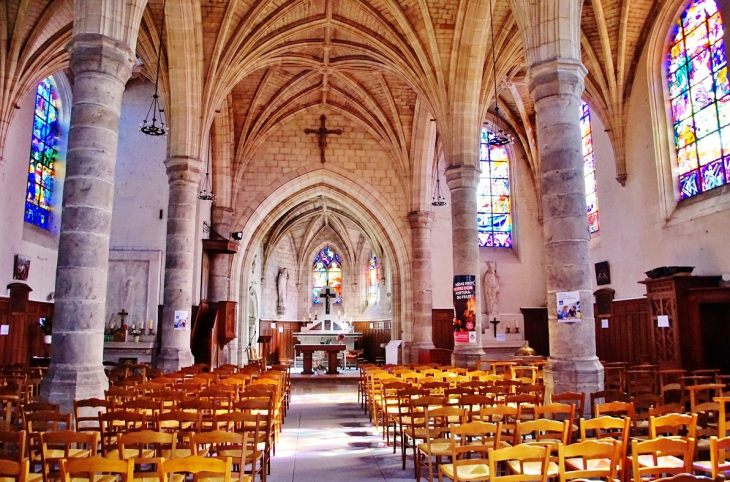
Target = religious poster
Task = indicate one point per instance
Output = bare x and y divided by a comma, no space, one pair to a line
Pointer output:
568,306
465,309
21,268
181,320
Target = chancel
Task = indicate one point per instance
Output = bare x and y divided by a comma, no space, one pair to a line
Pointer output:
295,197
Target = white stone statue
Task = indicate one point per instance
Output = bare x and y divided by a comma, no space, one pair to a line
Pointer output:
490,288
126,293
282,280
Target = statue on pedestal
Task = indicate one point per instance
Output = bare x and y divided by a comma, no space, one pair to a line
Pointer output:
282,281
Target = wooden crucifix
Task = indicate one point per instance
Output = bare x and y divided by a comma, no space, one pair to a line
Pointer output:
322,134
122,315
328,293
495,322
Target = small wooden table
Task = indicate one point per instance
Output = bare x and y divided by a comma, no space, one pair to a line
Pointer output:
332,354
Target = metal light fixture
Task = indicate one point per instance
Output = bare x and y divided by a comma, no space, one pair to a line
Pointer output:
206,188
438,197
147,127
499,138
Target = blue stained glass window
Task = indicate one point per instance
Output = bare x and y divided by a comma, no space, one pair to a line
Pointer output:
39,193
494,213
326,272
700,97
589,167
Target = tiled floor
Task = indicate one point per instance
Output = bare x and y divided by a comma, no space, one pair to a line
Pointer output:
327,437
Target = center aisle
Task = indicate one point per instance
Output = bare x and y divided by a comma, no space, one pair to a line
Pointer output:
327,437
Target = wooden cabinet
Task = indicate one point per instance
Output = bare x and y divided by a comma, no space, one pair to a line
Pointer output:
669,296
442,328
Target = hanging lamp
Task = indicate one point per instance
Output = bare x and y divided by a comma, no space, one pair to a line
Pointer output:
438,197
499,138
152,128
206,188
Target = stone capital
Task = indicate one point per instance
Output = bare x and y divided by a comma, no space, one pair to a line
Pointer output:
420,219
183,169
561,76
99,53
463,176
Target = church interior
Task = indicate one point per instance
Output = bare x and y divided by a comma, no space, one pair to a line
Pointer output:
326,190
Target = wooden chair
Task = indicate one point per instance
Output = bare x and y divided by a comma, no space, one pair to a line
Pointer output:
717,466
675,425
558,411
34,407
414,424
609,428
86,413
43,422
440,421
607,396
18,471
65,444
224,446
146,450
523,463
578,400
117,422
256,429
616,409
588,460
473,404
196,464
469,445
506,415
93,467
654,458
183,425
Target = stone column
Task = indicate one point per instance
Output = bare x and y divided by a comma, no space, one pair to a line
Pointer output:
183,174
101,68
556,87
463,181
421,328
220,274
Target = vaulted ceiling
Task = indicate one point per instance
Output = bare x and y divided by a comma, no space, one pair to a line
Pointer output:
368,59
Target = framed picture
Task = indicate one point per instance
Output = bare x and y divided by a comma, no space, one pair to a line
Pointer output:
603,273
21,267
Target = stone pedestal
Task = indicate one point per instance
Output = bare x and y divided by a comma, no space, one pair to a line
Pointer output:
556,87
183,173
463,181
101,67
421,327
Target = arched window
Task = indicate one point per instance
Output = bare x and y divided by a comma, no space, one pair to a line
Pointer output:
698,89
589,167
373,279
326,272
494,219
43,150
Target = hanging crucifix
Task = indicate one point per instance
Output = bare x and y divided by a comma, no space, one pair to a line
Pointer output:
122,315
495,322
328,293
322,134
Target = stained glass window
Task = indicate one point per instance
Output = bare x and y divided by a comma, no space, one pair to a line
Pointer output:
373,279
42,155
494,218
700,99
326,272
589,167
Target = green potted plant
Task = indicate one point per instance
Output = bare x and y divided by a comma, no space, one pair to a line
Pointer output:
46,325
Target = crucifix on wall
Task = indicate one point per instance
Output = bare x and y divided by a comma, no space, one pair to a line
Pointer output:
322,134
327,295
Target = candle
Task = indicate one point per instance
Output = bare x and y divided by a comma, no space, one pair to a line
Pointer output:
150,324
133,327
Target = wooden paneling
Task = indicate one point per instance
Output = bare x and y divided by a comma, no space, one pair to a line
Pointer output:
628,337
24,339
281,347
372,338
442,331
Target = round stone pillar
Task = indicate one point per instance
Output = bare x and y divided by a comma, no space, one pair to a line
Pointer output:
101,68
421,328
556,87
220,275
183,174
463,181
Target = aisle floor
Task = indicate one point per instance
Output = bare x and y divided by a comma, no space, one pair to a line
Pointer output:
327,437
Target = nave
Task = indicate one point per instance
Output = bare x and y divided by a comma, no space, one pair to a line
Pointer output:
327,437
